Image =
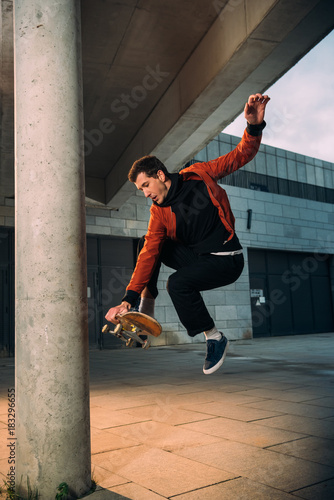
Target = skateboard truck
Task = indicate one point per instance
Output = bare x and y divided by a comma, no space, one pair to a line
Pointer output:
131,325
129,337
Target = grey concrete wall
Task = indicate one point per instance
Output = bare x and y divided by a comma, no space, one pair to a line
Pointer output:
130,220
280,223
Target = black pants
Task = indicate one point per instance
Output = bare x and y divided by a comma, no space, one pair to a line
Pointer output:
194,273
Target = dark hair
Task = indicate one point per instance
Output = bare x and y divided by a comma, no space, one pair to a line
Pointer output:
150,165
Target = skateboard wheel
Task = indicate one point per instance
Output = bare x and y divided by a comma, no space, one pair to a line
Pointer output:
146,344
105,329
118,329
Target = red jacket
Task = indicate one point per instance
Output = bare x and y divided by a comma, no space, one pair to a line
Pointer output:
162,223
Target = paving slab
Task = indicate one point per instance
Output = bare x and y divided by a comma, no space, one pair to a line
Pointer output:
133,490
289,407
235,398
237,489
105,418
320,491
107,440
267,467
164,473
305,425
165,413
106,479
119,401
299,395
197,397
103,494
244,432
164,436
328,401
235,412
314,449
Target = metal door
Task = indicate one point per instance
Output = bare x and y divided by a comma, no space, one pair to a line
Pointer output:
113,283
4,313
110,265
296,293
7,337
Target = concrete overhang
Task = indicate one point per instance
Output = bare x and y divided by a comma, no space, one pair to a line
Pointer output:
165,77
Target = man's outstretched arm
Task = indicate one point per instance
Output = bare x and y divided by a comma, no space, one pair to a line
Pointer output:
248,146
155,236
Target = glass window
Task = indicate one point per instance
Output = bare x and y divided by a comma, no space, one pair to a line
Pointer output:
281,168
213,150
292,170
224,148
271,165
301,171
260,163
201,155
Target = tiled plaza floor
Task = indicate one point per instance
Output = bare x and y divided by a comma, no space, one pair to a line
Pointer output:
261,428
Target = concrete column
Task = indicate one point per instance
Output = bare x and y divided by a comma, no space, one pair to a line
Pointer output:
52,387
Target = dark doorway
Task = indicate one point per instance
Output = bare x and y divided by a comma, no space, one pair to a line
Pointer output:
7,334
290,293
110,263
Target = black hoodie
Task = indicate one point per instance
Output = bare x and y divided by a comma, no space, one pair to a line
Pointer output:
198,224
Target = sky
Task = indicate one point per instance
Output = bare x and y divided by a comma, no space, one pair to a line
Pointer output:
300,114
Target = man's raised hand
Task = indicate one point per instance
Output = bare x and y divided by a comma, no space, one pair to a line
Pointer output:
255,108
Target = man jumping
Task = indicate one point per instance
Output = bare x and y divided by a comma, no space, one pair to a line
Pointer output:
191,230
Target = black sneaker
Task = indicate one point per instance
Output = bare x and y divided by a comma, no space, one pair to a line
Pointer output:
215,354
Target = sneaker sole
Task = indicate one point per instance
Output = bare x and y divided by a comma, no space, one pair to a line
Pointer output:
218,365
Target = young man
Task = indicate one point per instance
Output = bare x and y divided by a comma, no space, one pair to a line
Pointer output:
191,230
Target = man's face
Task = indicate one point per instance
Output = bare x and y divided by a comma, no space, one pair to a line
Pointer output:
152,187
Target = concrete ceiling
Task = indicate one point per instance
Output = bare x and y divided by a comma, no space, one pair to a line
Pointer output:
164,77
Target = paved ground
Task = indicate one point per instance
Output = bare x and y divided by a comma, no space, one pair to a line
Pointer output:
262,428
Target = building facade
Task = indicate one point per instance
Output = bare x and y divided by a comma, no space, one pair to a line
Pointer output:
283,204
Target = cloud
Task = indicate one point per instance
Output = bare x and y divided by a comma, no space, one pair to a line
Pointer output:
301,111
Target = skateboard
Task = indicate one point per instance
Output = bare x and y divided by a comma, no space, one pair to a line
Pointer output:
133,324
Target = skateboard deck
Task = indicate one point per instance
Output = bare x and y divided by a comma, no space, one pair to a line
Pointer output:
131,325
